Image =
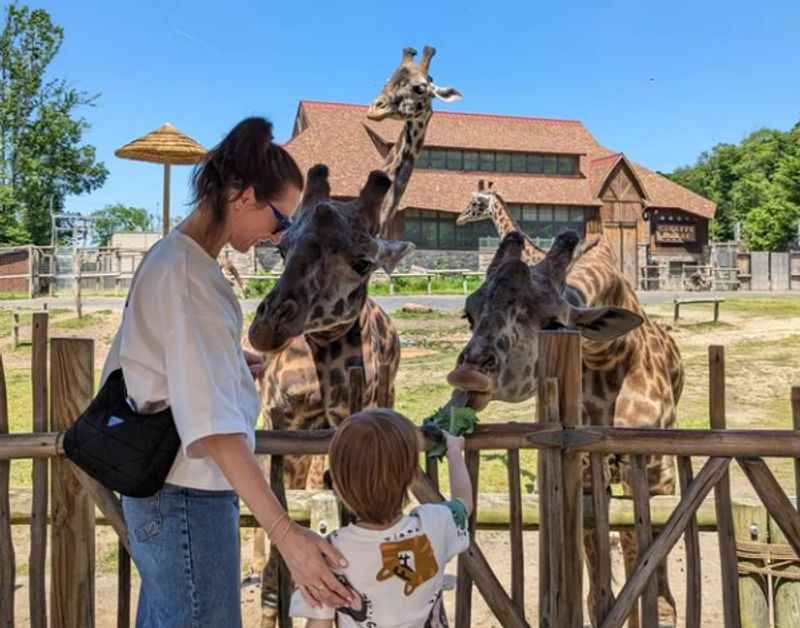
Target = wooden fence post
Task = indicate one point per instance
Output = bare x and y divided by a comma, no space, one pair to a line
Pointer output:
560,357
8,566
72,559
77,255
15,328
750,526
38,550
722,494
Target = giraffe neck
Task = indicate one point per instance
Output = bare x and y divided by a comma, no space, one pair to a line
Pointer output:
596,277
399,164
503,220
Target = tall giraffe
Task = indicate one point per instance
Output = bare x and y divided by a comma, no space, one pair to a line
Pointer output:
304,373
632,370
487,203
407,96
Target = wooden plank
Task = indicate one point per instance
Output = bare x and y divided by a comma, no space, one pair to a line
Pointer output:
692,541
476,566
786,585
108,503
515,530
796,423
604,594
771,493
647,563
714,443
550,511
560,357
123,587
644,535
72,533
8,566
284,579
463,579
557,594
38,548
722,494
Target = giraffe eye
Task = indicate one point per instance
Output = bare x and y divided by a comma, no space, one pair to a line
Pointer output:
361,266
419,89
467,316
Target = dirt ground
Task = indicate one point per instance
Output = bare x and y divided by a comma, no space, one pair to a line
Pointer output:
762,355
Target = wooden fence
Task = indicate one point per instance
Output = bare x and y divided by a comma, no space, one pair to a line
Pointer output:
558,435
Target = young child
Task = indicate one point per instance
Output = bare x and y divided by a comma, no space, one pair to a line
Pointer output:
395,562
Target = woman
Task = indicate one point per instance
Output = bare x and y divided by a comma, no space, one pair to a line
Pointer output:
179,346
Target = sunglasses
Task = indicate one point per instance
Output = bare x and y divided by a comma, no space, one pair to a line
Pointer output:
284,222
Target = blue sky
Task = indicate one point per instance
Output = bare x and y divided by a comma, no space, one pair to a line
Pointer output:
660,81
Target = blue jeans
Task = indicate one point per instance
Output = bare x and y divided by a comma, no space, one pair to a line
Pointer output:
185,543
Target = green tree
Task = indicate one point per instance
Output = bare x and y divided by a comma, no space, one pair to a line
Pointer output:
755,183
115,218
42,155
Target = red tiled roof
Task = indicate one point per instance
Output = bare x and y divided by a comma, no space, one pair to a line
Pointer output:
338,134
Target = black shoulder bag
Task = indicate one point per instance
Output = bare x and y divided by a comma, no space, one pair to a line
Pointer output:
125,451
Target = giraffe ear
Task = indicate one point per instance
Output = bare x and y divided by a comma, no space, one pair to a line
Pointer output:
510,248
317,186
446,94
389,253
603,323
558,259
371,199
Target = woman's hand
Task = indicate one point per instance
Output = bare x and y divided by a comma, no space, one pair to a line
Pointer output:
310,559
255,362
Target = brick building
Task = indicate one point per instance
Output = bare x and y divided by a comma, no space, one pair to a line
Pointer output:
553,174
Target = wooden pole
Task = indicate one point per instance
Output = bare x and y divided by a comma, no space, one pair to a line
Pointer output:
284,578
72,560
8,564
165,203
515,531
694,581
750,525
15,328
123,587
38,549
722,494
560,357
76,279
464,580
796,422
644,535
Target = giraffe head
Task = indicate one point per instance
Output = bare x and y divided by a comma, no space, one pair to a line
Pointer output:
410,89
480,206
514,303
329,254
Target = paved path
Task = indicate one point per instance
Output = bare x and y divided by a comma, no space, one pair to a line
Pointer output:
390,304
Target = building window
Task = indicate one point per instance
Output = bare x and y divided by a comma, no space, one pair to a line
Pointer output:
438,230
471,161
487,161
497,161
454,160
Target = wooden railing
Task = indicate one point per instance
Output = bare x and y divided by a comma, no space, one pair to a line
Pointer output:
559,436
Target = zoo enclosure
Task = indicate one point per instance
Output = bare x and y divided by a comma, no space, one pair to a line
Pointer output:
558,435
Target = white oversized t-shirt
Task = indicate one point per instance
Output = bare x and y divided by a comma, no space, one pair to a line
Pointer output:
179,345
398,573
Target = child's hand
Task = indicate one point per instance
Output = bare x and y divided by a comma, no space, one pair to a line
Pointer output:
455,444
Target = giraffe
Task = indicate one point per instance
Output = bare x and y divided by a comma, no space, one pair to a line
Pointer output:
318,321
487,203
632,370
406,96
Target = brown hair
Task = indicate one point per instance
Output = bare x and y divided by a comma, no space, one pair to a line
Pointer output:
373,457
245,157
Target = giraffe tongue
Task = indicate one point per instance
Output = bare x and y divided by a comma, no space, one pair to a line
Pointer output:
469,379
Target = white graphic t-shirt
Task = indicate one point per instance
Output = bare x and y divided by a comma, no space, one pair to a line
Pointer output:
398,573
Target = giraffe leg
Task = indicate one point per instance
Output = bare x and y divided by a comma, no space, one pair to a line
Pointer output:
295,473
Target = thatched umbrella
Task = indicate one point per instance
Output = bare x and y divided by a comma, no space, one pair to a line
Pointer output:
166,145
